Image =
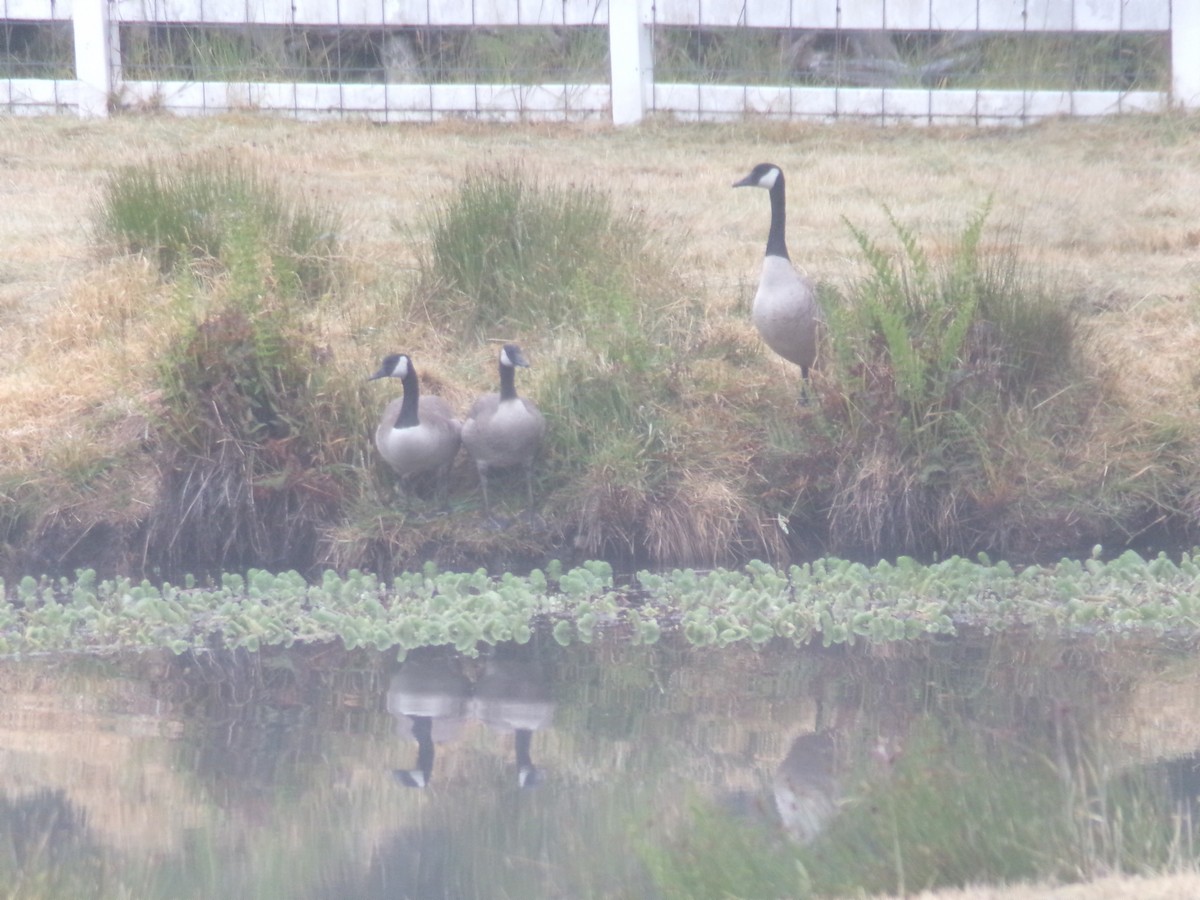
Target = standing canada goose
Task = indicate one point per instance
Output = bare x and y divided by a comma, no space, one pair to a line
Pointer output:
504,430
785,307
416,434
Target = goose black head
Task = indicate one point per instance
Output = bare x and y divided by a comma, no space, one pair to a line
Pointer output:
764,175
394,365
511,355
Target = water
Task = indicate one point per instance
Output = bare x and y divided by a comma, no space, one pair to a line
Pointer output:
599,770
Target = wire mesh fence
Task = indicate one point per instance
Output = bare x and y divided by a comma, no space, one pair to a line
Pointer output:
564,59
36,50
458,55
914,59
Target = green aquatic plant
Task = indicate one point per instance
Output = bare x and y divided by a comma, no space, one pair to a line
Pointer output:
831,600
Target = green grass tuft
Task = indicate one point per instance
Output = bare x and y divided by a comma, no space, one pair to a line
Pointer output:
507,252
208,211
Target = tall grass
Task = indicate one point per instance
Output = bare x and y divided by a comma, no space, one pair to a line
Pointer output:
507,251
251,442
29,50
516,55
255,452
940,59
520,55
721,55
209,53
1098,62
203,211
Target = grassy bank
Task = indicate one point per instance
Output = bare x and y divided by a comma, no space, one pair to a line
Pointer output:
182,405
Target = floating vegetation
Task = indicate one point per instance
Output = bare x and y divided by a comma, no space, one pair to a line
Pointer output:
830,600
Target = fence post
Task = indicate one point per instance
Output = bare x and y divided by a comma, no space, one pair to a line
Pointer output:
93,56
1185,53
631,54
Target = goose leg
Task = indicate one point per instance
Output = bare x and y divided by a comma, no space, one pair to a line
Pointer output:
530,512
399,491
487,504
443,488
535,521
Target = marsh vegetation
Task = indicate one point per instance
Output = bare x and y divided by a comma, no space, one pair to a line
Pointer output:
1007,366
191,310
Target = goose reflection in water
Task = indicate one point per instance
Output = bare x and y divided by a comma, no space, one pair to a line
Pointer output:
807,792
428,697
432,699
808,785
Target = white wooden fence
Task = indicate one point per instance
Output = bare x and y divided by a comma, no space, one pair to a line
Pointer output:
631,92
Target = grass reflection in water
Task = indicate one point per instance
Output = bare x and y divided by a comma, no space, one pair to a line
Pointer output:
594,770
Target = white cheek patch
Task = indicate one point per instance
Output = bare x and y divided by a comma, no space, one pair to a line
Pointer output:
401,367
504,360
768,180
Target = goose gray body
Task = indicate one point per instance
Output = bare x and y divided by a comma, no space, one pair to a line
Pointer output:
503,430
785,310
416,434
424,448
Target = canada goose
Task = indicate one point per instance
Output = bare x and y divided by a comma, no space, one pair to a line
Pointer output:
785,308
416,434
504,430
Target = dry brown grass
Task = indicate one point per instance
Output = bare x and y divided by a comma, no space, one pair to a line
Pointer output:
1110,207
1110,204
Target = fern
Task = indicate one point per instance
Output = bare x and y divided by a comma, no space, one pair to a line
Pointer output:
932,357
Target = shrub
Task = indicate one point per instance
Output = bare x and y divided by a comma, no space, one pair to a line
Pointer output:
952,375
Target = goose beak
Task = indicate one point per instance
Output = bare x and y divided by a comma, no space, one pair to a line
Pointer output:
745,182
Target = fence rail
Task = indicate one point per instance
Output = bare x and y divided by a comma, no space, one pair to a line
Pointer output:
103,81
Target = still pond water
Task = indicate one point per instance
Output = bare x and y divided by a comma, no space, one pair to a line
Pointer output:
598,770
